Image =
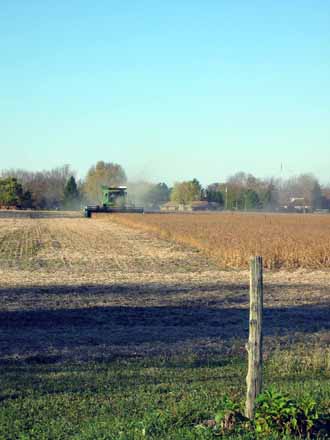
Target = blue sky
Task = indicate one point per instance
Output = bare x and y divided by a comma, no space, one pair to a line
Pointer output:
171,90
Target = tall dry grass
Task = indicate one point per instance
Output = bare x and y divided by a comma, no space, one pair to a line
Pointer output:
297,360
287,241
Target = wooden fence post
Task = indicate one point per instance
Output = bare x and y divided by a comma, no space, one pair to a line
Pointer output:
254,345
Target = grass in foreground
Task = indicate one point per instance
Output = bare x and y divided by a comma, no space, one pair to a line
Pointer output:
163,398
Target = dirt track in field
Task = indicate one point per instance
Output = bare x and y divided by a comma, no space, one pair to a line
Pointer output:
85,289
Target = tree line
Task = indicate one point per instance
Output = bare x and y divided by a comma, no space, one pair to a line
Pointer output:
243,191
59,188
48,189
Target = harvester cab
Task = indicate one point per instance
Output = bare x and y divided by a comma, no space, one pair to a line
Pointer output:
114,199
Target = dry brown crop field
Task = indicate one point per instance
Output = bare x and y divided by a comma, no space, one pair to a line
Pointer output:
286,241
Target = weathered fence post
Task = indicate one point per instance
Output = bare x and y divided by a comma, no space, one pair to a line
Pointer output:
254,345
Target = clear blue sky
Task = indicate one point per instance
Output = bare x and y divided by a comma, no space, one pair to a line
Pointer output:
170,89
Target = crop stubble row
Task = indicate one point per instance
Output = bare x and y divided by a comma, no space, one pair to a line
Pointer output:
36,243
77,245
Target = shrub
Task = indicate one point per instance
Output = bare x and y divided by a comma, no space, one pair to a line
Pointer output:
277,412
276,416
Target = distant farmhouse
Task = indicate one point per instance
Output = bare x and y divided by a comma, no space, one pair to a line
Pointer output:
297,204
191,207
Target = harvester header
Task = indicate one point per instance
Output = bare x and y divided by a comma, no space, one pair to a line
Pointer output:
114,199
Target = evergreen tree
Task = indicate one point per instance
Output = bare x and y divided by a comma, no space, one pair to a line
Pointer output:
214,195
11,192
71,194
250,200
27,201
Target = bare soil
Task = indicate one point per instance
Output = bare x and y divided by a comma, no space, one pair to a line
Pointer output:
84,289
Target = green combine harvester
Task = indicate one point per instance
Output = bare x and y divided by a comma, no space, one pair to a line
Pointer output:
114,199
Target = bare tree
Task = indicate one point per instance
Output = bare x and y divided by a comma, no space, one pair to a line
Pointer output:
103,173
304,186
